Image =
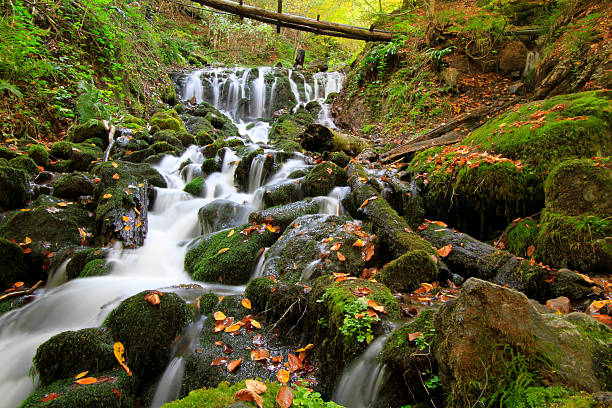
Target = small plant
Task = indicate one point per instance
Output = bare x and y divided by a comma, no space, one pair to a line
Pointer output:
90,104
436,56
358,328
305,397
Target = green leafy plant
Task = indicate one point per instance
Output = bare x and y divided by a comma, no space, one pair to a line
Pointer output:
10,88
359,328
436,56
307,398
91,104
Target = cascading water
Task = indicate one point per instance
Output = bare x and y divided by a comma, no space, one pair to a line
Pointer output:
173,221
361,381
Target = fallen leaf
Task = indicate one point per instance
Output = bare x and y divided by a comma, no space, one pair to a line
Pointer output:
282,376
118,349
116,176
116,392
284,397
233,328
445,250
230,233
27,250
306,348
605,319
359,243
232,365
87,381
222,250
272,228
336,246
153,297
367,201
62,204
50,397
218,343
368,253
107,196
255,324
259,354
440,223
246,303
219,316
248,396
258,340
114,165
227,349
80,375
17,285
414,336
294,363
218,361
27,241
256,386
530,250
126,218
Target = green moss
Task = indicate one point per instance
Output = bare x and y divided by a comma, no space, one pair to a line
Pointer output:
73,185
39,154
24,163
7,154
241,175
69,353
580,129
204,138
169,136
211,150
521,235
99,395
208,302
283,215
288,146
210,166
81,258
97,267
91,129
223,396
61,149
280,194
194,187
323,177
407,272
147,331
211,262
167,120
14,188
13,267
567,241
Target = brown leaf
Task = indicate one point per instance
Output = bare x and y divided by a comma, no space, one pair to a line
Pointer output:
152,298
414,336
284,397
445,250
258,340
227,349
282,376
232,365
256,386
218,361
376,306
248,395
294,363
530,250
259,354
368,253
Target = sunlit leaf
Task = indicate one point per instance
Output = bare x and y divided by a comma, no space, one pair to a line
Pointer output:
105,196
341,257
222,250
118,350
306,348
233,328
232,365
445,250
80,375
359,243
414,336
246,303
87,381
116,176
218,361
248,396
282,376
219,316
255,324
284,397
230,233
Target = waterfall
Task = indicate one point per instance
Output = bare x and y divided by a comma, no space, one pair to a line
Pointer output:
531,63
259,95
193,87
294,88
361,381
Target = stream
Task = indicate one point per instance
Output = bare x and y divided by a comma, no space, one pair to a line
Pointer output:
248,97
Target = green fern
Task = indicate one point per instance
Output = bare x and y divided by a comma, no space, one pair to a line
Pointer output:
4,85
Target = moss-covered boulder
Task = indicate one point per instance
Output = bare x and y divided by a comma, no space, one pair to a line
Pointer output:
8,154
24,163
14,188
283,215
73,185
475,192
39,154
407,272
283,193
339,335
497,336
218,145
167,120
261,163
81,257
97,267
228,257
74,156
13,267
51,224
211,165
289,126
71,352
114,389
544,133
194,187
147,331
91,129
222,396
222,214
199,370
170,137
319,138
322,179
520,236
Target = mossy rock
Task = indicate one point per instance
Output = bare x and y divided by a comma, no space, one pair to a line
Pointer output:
7,154
223,396
520,235
222,214
228,259
575,242
573,126
39,154
13,267
138,156
243,170
339,158
93,128
322,179
288,146
24,163
72,186
283,193
14,188
407,272
204,138
67,354
167,120
61,149
82,257
331,322
474,195
194,187
170,137
283,215
198,370
10,304
164,147
147,331
75,156
290,126
186,139
296,174
97,267
116,391
211,150
580,186
51,224
210,166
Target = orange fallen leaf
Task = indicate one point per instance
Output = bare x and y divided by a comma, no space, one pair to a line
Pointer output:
294,363
28,240
259,354
341,257
17,285
376,306
414,336
248,396
127,228
218,361
367,201
118,350
306,348
116,392
116,176
87,381
105,196
336,246
440,223
27,250
219,316
152,298
126,218
359,243
445,250
232,365
80,375
532,262
272,228
246,303
256,386
114,164
255,324
605,319
282,376
233,328
230,233
50,397
284,397
62,204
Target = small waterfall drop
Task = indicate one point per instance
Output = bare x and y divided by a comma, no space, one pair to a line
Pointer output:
361,380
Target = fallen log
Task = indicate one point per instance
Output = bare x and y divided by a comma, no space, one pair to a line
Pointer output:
413,147
469,257
21,292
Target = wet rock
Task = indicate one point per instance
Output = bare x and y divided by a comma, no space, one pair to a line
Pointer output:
513,57
39,154
407,272
228,258
13,267
147,331
91,129
289,126
51,224
339,158
490,330
97,267
14,188
72,186
213,149
167,120
561,304
81,257
194,187
305,251
322,179
76,156
210,166
222,214
283,193
284,215
198,370
262,161
24,163
319,138
71,352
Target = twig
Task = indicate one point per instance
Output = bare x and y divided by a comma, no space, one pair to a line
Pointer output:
283,316
23,292
485,385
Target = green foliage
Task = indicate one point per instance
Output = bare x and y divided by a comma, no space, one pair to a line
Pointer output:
357,328
10,88
436,55
377,60
305,397
91,102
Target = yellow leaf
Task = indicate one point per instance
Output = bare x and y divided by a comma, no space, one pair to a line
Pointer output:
246,303
28,240
118,349
341,257
81,375
222,250
127,228
282,376
303,349
116,176
62,204
230,233
126,218
139,224
232,328
359,243
107,196
219,316
114,165
255,324
86,381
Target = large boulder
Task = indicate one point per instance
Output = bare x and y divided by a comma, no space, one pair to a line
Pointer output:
322,179
492,337
513,57
13,267
407,272
166,120
222,214
147,331
14,188
73,185
89,130
283,215
319,138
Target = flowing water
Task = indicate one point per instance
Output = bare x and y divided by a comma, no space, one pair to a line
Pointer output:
173,223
